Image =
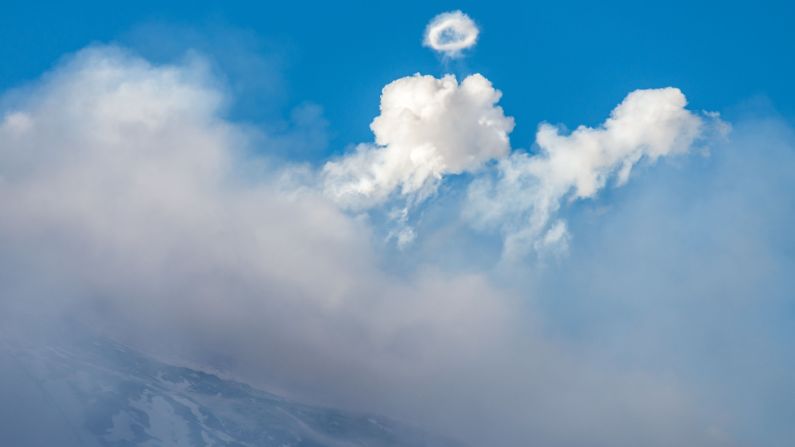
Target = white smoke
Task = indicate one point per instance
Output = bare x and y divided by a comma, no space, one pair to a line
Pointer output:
126,195
131,204
528,191
450,33
428,128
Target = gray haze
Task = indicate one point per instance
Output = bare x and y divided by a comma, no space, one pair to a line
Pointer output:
133,208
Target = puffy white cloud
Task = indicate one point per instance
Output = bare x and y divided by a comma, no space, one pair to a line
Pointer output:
527,193
130,202
450,33
427,128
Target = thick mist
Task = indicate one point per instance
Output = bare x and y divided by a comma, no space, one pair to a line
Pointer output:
134,208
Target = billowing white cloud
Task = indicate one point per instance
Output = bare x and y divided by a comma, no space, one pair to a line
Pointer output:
428,128
130,202
527,193
450,33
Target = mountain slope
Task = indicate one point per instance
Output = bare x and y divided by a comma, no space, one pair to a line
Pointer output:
100,393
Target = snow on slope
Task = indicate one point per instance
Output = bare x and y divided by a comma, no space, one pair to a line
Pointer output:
99,393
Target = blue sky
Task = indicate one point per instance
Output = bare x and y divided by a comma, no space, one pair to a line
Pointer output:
601,254
563,62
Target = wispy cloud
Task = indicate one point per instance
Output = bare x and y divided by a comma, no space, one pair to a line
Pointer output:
523,200
133,204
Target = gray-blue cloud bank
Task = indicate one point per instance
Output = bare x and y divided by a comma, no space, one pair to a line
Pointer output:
133,210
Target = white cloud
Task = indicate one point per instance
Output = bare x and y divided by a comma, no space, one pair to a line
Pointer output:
428,128
527,193
450,33
130,202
